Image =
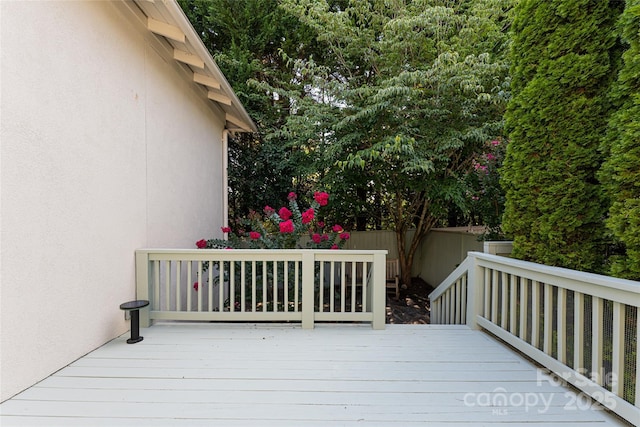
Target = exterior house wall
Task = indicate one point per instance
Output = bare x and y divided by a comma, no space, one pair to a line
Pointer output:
104,148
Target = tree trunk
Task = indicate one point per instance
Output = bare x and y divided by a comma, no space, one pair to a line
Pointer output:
405,267
361,217
405,256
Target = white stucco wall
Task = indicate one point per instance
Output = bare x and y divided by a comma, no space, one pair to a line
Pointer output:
104,148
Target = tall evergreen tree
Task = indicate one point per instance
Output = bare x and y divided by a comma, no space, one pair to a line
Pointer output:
621,171
247,39
563,62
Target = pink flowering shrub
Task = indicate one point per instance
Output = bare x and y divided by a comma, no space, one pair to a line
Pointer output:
484,190
285,228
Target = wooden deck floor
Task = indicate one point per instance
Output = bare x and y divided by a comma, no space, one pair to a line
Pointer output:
282,375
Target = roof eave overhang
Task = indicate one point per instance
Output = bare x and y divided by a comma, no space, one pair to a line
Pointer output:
166,20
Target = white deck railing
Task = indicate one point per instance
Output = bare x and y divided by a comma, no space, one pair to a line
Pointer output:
262,285
583,327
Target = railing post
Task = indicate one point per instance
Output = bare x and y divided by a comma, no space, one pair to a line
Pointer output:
475,291
308,291
142,285
433,314
378,299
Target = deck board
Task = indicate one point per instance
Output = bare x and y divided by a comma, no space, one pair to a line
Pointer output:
282,375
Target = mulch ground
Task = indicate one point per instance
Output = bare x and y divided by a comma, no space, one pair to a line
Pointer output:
413,304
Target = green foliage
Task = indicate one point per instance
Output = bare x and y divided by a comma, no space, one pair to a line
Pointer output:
246,39
259,171
486,193
411,91
383,103
564,56
390,105
620,173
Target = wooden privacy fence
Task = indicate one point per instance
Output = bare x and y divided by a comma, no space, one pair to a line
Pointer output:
583,327
262,285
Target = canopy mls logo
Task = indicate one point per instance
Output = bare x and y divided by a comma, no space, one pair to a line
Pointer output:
500,401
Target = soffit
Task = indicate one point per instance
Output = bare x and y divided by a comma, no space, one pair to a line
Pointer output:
168,23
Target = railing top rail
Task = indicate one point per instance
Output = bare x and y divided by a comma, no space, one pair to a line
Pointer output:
622,290
451,279
558,275
259,254
254,251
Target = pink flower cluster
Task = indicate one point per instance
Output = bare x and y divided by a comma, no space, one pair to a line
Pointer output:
319,238
286,226
284,213
481,168
308,215
282,228
321,197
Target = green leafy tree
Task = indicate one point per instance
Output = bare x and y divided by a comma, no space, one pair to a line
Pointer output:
563,60
410,94
620,173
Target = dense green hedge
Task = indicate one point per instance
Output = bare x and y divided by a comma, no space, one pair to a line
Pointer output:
563,63
620,173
